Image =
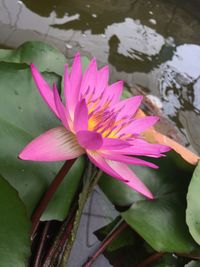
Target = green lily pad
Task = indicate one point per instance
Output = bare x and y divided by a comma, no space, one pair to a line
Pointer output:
44,56
193,264
161,222
126,238
61,202
169,260
14,228
193,205
24,115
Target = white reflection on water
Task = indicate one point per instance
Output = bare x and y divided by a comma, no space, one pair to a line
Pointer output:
135,37
186,60
196,102
180,79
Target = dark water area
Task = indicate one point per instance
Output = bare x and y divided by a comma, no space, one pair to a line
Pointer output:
153,44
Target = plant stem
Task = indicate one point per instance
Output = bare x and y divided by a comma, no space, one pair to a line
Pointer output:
151,259
60,238
87,188
114,233
49,194
37,261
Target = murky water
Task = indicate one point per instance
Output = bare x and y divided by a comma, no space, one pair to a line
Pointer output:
154,44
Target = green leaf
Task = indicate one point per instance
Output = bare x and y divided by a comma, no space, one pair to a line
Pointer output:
193,205
14,228
193,264
60,204
126,238
23,116
170,260
161,222
117,192
44,56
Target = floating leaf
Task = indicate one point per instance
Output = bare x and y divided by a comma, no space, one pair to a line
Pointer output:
118,251
160,222
14,228
193,205
170,260
60,204
193,264
24,116
46,57
126,238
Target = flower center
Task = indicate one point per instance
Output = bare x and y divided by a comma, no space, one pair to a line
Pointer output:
104,121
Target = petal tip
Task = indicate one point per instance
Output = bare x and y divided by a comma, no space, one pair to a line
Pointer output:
150,197
23,155
93,62
120,83
77,55
139,98
33,68
19,157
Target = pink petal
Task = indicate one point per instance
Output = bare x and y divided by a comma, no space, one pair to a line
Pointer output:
139,143
72,84
54,145
138,126
101,81
67,93
89,140
76,76
114,144
81,116
100,162
89,78
114,91
44,89
60,108
111,94
142,148
129,160
132,180
121,172
128,107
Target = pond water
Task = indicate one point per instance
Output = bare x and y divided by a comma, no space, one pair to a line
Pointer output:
153,44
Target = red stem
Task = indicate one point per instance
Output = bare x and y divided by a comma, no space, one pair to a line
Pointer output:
61,238
37,261
105,243
151,259
49,194
190,255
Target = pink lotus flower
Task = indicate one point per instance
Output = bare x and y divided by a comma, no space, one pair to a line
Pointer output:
96,122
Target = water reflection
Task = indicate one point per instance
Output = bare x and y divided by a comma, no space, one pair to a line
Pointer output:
150,43
97,15
180,88
134,60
